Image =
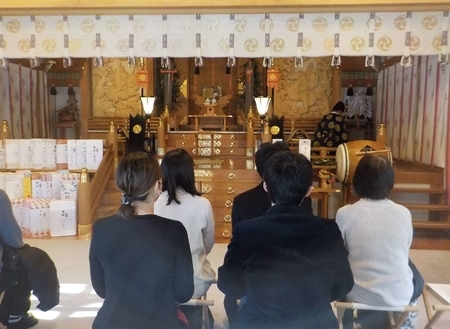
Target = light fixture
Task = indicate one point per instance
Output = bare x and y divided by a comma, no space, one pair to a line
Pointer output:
262,105
148,102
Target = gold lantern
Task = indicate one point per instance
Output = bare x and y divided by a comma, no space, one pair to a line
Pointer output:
273,78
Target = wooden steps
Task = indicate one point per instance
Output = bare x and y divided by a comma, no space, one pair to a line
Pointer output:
109,201
429,211
427,206
431,225
421,190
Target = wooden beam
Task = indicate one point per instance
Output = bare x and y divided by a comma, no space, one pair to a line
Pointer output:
389,62
144,7
336,86
85,97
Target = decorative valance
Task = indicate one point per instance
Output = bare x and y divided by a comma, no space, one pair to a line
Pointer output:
226,35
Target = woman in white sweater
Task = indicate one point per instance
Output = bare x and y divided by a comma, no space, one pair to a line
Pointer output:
378,234
181,201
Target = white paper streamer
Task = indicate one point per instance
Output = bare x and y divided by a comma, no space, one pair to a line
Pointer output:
298,60
336,59
33,60
131,58
231,59
198,41
370,58
67,61
164,57
3,61
444,56
267,61
406,58
98,60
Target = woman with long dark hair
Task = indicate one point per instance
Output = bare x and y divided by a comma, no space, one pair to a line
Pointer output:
140,262
181,201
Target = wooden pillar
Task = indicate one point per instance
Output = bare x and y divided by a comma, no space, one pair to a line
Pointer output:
85,97
381,134
151,74
336,86
84,206
266,136
112,139
161,138
250,137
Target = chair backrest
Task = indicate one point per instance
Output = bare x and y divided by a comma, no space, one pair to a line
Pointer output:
2,294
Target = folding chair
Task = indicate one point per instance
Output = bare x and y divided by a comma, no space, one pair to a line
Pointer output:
396,321
200,302
442,293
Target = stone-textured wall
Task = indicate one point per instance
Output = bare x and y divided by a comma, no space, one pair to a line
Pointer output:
305,91
114,89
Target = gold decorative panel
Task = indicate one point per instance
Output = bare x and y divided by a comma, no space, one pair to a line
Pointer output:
204,143
203,173
305,91
114,89
206,188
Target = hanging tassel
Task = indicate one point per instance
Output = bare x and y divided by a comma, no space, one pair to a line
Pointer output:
197,70
406,61
70,90
369,91
231,61
350,90
67,61
298,61
53,91
370,61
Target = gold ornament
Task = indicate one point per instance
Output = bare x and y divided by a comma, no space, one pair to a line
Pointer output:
274,130
137,129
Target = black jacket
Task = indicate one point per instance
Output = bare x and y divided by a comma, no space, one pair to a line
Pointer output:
42,276
289,265
141,267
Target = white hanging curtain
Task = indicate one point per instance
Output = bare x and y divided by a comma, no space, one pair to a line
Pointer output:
441,115
5,114
359,34
415,112
24,101
410,107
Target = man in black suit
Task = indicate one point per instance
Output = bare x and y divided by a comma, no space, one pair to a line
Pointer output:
288,265
254,203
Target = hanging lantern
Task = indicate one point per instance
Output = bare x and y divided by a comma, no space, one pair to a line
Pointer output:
273,78
142,79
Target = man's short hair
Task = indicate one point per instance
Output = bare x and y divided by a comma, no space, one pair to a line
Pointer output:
266,150
288,177
339,107
373,178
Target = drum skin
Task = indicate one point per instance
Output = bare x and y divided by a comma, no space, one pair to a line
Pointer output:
347,159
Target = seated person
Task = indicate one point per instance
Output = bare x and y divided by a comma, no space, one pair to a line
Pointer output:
140,262
378,234
331,131
16,302
288,263
181,201
254,203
